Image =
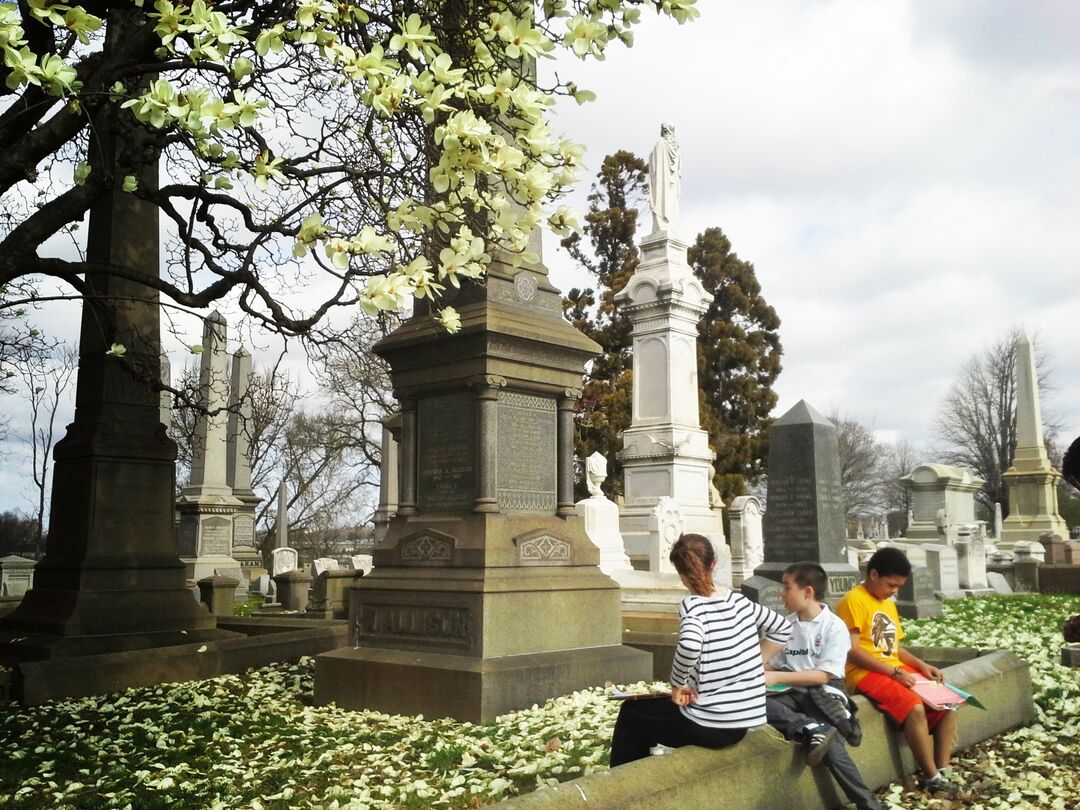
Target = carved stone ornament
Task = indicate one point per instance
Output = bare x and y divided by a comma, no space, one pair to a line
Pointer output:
525,286
542,548
427,547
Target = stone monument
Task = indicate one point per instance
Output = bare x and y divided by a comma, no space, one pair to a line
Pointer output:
942,497
477,601
1032,482
805,517
388,475
110,579
238,470
601,518
747,539
206,505
665,452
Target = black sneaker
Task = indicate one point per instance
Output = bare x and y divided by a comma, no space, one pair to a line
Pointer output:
939,784
817,741
854,738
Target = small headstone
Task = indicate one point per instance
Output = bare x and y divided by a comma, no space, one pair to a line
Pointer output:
361,562
941,561
283,560
16,575
1029,550
1026,577
1053,548
1072,552
971,557
917,599
665,527
1074,533
998,583
323,564
765,592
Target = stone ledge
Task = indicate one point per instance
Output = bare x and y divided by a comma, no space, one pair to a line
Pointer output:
262,643
764,772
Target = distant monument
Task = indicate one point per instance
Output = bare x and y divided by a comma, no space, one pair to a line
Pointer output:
665,452
805,517
207,505
942,499
238,470
1032,482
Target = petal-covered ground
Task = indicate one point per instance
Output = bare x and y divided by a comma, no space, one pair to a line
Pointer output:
255,740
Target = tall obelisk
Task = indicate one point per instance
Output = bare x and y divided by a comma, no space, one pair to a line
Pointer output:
1032,482
665,452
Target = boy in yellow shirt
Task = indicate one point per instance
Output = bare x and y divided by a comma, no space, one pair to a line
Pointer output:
878,667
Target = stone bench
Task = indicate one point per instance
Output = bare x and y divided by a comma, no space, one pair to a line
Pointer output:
764,772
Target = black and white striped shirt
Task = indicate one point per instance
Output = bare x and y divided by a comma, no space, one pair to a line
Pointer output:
719,656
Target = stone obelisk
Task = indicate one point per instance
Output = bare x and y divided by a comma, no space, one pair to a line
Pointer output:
1032,482
110,579
665,452
206,505
238,468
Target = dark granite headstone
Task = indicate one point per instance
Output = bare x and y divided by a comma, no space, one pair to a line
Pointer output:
765,592
446,453
804,519
917,598
1072,552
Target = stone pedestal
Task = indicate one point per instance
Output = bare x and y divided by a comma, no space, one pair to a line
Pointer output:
805,518
665,452
476,601
292,590
1026,575
971,560
110,579
1032,482
218,594
16,575
330,592
1054,548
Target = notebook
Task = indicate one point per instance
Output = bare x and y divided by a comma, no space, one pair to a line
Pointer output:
938,695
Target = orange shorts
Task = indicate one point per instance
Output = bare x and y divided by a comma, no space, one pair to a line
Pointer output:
895,699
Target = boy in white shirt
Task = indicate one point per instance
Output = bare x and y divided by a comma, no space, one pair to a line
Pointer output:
812,665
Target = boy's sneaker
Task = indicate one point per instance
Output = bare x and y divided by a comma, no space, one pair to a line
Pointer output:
939,784
854,737
817,740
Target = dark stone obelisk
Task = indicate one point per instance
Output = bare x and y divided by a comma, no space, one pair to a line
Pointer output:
804,512
485,594
110,579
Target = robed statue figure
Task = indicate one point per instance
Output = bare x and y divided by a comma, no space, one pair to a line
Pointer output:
665,171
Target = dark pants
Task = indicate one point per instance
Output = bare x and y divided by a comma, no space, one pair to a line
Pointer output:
792,711
651,721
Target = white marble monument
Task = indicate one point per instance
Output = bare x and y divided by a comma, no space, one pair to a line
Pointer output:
601,517
1032,482
207,504
238,470
665,452
942,497
747,537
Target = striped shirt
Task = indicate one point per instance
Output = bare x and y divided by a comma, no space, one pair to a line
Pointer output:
719,657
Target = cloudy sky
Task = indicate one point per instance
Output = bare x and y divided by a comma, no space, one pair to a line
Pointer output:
905,177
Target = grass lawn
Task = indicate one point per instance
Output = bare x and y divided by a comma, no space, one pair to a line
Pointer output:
255,741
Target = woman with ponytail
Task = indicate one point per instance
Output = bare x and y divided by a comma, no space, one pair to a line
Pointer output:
717,677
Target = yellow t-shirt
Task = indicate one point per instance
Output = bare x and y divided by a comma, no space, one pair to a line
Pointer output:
878,625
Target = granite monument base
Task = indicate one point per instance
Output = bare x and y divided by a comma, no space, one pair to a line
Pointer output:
475,690
842,577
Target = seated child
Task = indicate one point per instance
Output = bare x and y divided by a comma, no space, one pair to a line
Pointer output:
812,665
717,677
878,667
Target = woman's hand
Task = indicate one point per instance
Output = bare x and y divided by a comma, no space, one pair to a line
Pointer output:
683,696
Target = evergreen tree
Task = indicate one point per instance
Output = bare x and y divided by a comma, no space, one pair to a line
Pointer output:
738,345
610,226
738,362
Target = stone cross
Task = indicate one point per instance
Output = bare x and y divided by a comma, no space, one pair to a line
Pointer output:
209,463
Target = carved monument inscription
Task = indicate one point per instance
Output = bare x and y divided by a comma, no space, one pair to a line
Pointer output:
215,537
527,455
446,453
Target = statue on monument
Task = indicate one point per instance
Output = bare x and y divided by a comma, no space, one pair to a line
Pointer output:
665,173
595,473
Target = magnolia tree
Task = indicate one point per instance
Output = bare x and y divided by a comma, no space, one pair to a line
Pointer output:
360,153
